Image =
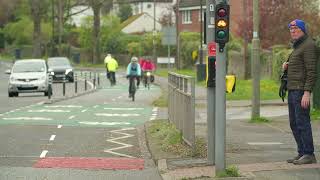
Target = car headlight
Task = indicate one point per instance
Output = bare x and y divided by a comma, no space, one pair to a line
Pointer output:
52,73
68,70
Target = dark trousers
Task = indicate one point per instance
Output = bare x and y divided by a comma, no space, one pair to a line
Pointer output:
300,123
112,77
132,78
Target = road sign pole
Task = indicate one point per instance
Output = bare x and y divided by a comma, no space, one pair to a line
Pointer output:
210,90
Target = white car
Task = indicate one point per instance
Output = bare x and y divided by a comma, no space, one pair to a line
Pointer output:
28,76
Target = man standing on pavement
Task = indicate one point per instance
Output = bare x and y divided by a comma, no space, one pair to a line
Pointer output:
301,66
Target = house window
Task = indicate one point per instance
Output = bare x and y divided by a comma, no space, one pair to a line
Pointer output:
186,17
202,17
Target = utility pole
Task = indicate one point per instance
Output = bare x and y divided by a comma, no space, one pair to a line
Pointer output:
201,68
177,61
154,32
52,36
255,62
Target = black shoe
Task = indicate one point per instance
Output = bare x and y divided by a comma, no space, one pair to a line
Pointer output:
305,159
293,159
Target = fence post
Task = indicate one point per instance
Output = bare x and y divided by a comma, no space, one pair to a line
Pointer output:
50,87
76,83
64,86
85,82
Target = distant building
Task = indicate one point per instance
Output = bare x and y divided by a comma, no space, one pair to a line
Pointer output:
139,24
162,7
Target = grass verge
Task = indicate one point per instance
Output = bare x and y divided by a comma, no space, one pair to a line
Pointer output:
259,120
169,141
230,171
162,101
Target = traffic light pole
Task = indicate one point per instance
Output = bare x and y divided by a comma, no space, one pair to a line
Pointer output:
211,91
220,116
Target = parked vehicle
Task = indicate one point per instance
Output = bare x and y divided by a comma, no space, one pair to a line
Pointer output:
60,68
28,76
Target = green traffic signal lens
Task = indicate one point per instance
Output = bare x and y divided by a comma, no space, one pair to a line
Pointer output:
221,34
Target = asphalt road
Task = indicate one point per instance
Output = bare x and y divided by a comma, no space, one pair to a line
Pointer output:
95,136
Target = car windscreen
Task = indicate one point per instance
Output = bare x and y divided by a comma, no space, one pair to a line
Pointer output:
58,62
31,66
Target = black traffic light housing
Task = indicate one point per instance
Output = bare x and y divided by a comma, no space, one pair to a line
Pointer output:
211,71
222,23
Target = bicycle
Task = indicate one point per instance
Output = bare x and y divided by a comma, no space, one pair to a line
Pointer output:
112,78
132,87
147,79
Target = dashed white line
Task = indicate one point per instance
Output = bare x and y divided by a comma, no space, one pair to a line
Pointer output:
71,117
52,137
43,154
84,110
59,126
96,106
265,143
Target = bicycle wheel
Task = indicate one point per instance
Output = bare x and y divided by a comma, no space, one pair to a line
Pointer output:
133,92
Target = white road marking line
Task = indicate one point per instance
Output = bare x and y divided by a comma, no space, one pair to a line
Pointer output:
59,126
1,114
71,117
113,99
105,123
117,115
155,109
84,110
50,110
124,109
52,137
63,106
43,154
119,97
264,143
17,109
122,145
154,114
40,103
96,106
28,118
12,111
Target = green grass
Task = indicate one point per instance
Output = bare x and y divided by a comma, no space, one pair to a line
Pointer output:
230,171
162,101
259,120
170,140
268,88
315,114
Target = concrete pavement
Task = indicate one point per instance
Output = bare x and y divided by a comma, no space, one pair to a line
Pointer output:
258,150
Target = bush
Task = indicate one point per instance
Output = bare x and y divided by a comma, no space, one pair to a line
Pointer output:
279,55
190,42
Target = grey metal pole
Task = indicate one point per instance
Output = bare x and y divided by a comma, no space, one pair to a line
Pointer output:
168,57
154,32
220,133
255,62
64,86
211,109
76,83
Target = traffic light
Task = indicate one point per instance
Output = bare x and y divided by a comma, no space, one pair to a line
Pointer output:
222,23
211,71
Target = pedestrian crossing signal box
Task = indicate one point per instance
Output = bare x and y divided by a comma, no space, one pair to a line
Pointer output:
211,76
211,71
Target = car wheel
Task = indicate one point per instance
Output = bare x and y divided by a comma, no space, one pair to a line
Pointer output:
46,93
71,80
10,94
16,94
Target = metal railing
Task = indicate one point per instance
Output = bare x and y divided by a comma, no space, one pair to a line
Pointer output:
181,105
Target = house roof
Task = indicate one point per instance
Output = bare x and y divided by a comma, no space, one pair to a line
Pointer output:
130,20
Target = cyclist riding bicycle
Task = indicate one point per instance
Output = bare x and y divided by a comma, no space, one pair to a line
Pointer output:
147,66
133,72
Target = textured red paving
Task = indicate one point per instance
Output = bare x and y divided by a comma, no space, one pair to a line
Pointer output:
91,163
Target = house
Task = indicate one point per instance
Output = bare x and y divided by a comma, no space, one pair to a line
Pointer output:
162,7
189,14
139,24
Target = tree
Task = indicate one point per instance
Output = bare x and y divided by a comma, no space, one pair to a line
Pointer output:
274,18
38,11
125,11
